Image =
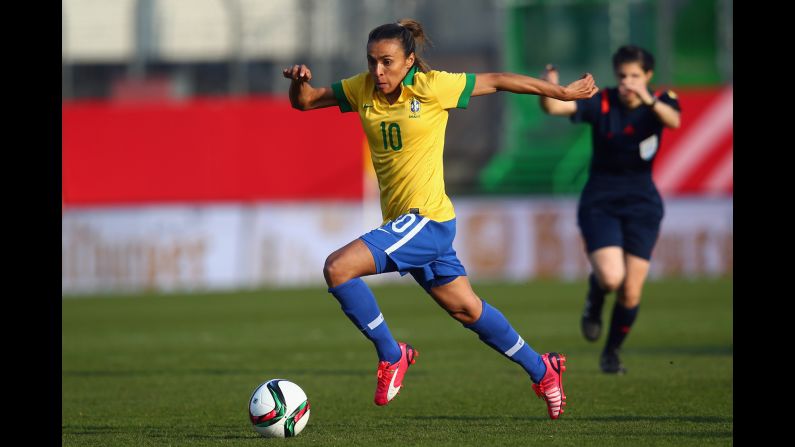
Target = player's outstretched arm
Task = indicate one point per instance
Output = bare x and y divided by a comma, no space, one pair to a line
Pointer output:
487,83
302,95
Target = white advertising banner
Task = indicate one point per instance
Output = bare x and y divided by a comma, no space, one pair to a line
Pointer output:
289,243
525,239
150,248
519,239
240,246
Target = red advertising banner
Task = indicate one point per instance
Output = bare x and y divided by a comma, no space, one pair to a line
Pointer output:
208,150
698,158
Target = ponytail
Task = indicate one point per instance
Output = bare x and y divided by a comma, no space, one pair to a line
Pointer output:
411,36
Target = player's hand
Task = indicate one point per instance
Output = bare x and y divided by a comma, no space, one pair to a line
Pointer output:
550,74
298,73
582,88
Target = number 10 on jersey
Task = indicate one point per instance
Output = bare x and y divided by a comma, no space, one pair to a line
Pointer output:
391,133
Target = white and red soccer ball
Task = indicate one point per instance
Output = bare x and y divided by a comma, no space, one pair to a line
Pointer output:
278,408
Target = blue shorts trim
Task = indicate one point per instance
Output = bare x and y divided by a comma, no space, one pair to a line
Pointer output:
417,245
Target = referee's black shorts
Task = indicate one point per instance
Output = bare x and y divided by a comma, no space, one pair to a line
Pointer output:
627,219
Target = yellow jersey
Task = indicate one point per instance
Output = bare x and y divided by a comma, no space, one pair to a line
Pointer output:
406,139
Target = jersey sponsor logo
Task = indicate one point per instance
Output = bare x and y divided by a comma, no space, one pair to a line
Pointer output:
414,108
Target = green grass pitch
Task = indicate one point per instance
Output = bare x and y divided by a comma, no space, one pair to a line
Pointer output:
172,370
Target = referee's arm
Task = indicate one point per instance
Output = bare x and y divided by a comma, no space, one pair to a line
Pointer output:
553,106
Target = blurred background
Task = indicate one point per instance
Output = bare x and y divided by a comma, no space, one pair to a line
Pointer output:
184,167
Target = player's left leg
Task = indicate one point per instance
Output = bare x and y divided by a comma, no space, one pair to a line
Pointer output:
625,311
461,302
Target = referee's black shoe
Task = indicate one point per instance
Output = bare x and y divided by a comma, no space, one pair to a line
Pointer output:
611,363
591,325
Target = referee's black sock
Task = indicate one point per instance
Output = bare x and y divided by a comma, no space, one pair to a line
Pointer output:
595,299
620,325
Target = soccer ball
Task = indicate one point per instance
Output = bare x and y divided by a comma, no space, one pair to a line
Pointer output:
278,408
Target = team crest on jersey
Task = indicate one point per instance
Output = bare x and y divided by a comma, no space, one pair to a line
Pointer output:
414,107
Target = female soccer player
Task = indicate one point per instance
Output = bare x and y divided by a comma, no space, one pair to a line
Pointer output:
620,210
403,105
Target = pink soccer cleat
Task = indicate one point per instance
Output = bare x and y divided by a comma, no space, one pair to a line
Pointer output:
390,376
551,386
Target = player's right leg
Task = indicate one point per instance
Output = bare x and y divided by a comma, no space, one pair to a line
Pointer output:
398,245
343,271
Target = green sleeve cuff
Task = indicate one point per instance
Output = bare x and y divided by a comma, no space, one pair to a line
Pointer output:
463,100
339,93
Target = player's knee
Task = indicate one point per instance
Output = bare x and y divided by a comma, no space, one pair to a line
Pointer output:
334,271
463,316
465,313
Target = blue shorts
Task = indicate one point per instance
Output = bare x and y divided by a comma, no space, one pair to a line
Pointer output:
627,219
417,245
